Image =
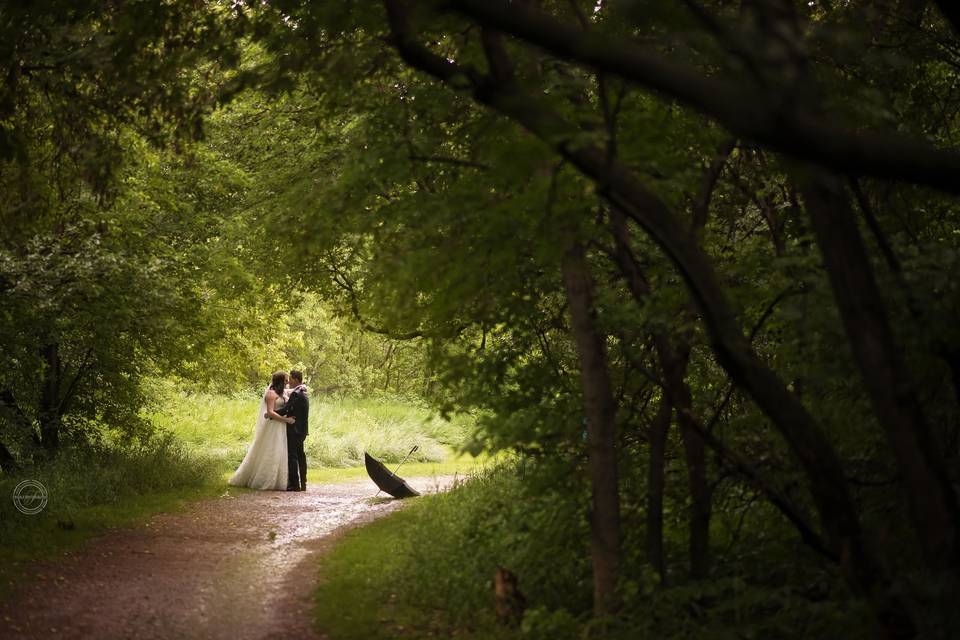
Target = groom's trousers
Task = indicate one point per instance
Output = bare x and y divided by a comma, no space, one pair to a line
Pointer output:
296,461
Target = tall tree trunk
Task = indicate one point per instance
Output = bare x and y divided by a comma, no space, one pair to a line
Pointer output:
888,382
674,365
674,362
600,407
49,414
621,188
655,485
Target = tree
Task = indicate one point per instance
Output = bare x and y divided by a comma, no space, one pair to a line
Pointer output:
577,81
107,239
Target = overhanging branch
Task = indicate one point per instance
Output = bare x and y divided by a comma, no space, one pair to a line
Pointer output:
743,108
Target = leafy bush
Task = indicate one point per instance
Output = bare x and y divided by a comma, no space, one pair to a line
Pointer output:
508,517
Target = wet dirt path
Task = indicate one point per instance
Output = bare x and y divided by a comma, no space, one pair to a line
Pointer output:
243,565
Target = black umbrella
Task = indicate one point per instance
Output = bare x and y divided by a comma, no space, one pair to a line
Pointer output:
388,480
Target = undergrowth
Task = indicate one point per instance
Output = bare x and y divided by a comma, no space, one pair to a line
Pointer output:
428,572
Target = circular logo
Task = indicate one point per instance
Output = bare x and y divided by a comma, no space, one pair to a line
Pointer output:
30,497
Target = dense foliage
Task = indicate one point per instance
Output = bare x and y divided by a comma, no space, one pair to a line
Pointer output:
384,581
108,248
595,263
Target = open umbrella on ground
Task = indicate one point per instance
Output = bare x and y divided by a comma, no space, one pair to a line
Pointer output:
387,480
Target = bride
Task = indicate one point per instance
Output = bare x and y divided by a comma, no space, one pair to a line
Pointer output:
265,465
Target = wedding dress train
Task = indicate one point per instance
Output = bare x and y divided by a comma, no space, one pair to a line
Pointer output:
265,465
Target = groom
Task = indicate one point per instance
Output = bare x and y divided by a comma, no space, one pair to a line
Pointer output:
298,406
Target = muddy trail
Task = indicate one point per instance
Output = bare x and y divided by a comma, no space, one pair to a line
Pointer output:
243,565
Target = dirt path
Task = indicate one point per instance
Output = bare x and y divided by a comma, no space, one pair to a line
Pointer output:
240,566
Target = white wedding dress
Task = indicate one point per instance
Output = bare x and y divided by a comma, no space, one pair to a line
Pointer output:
265,465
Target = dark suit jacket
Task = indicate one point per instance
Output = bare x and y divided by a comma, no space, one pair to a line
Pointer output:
298,406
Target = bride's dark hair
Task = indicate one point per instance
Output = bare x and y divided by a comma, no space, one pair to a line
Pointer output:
279,382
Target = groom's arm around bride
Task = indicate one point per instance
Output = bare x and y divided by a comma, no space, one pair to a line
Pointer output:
297,406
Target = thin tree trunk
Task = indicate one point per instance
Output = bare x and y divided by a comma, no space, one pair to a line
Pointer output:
600,407
674,365
888,382
655,486
49,414
387,365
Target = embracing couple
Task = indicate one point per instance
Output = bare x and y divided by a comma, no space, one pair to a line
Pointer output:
275,460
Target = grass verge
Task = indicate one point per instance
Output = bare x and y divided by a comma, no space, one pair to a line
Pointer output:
392,578
356,599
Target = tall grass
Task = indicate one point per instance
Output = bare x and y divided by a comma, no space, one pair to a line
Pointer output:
340,429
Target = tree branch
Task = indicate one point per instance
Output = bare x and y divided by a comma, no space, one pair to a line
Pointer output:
341,280
711,174
620,186
744,109
72,387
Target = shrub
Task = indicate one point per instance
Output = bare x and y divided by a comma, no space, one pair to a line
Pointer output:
531,519
519,519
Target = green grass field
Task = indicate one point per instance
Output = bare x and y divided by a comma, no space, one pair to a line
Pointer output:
340,429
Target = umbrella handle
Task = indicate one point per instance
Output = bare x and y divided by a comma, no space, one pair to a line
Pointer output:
409,453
